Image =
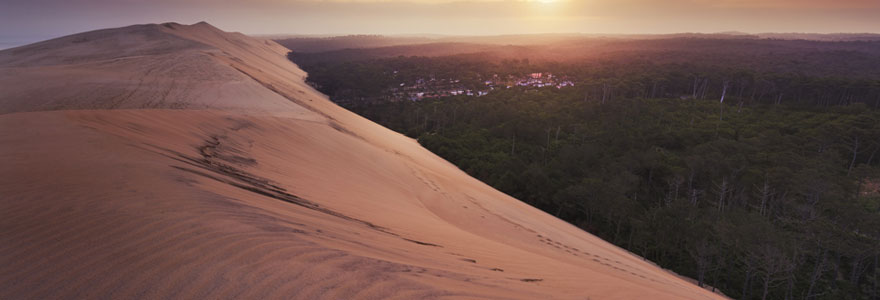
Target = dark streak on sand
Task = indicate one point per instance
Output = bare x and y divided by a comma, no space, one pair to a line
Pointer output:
213,167
421,243
233,176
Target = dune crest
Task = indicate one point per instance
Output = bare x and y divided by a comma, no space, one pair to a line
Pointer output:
180,161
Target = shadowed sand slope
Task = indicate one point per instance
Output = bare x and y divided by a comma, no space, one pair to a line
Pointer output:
180,161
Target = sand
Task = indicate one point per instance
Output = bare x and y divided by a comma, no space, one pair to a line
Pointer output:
180,161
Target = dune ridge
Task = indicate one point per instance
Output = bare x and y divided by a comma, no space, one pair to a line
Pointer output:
180,161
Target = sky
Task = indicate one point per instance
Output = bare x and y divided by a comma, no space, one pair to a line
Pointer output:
31,20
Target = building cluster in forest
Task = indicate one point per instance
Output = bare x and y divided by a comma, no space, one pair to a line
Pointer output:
429,88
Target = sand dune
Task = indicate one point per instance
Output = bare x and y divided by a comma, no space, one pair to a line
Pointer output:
180,161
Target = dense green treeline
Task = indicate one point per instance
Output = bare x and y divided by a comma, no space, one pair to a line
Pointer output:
765,201
773,193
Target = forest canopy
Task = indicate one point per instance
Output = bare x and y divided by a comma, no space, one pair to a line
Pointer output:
772,193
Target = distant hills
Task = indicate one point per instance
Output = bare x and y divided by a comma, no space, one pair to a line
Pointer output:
312,44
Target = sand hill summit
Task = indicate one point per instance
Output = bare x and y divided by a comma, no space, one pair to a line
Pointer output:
180,161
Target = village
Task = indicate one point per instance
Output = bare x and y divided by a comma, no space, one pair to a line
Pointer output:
432,87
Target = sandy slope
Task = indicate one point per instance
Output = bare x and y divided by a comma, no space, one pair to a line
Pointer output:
172,161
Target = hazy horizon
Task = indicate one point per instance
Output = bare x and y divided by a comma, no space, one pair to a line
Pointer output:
40,19
8,42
